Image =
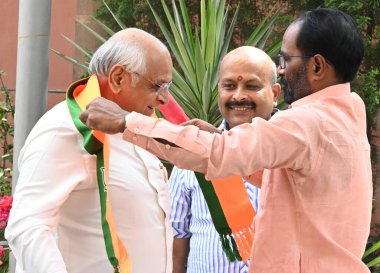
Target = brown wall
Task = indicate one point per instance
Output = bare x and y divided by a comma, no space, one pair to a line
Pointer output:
8,41
64,14
62,19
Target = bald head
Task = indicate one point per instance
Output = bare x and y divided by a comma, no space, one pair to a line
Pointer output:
144,39
131,47
253,55
247,86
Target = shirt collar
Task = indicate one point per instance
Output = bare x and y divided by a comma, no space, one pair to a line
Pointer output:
223,125
331,91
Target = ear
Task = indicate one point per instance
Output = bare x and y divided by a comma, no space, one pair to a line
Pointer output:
276,89
118,77
319,66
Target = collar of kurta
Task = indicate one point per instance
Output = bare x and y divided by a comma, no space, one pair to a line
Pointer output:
331,91
78,95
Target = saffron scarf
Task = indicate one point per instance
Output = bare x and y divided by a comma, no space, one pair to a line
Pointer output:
79,94
227,199
232,214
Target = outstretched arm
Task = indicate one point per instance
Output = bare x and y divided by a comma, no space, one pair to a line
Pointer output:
106,116
264,145
203,125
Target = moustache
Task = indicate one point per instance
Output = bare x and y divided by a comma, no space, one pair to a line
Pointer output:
241,103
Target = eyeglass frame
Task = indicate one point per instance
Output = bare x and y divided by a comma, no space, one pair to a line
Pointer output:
159,87
282,62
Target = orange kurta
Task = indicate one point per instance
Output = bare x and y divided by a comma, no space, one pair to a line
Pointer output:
317,189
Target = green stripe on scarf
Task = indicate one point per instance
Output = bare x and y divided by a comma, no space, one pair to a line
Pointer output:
220,222
93,146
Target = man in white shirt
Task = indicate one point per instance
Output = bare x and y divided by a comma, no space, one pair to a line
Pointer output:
55,223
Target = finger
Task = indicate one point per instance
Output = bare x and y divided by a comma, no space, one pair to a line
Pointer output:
186,123
83,117
88,124
216,131
92,103
89,105
189,122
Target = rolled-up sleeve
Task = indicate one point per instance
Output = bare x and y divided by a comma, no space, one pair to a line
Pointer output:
180,196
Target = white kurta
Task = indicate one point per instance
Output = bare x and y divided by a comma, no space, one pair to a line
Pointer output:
57,197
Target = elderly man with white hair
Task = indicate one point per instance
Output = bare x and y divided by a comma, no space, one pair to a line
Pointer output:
62,220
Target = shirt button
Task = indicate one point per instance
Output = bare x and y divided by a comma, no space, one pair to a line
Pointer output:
134,138
136,130
167,147
161,166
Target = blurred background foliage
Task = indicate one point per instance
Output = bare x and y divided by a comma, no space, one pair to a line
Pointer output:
136,13
7,111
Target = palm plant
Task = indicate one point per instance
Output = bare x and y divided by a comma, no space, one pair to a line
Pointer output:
198,52
371,255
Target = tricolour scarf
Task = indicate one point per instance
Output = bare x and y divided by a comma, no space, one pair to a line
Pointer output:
227,199
79,94
231,211
232,214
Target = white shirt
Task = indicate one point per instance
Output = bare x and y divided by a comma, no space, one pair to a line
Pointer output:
57,197
190,218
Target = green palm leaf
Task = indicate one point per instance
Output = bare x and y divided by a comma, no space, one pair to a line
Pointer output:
103,26
370,262
83,66
118,21
199,52
87,53
93,32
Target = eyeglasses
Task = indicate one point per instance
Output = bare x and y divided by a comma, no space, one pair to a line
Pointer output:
283,58
158,87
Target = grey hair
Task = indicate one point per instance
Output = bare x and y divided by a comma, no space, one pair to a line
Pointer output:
115,51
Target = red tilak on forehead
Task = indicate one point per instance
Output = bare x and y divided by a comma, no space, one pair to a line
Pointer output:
239,78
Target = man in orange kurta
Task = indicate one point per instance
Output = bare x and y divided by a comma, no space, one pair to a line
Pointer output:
317,183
